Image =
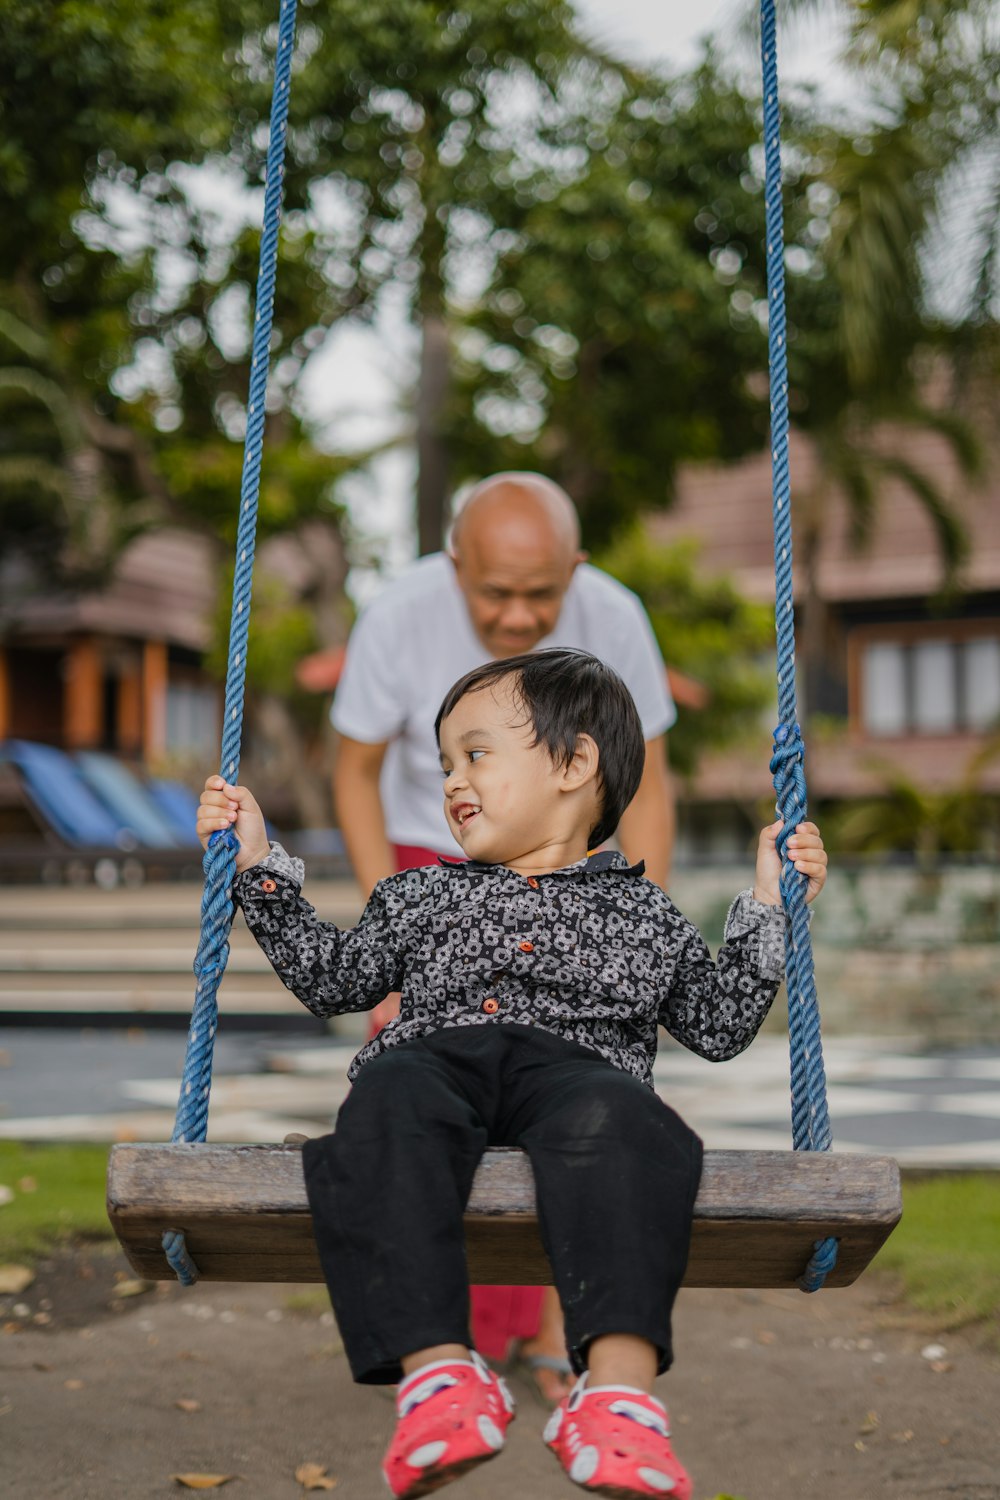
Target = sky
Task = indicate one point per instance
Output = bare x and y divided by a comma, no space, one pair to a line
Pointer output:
671,30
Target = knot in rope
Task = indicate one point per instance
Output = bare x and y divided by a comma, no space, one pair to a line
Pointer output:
788,775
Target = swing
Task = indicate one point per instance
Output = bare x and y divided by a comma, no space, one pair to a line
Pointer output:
762,1218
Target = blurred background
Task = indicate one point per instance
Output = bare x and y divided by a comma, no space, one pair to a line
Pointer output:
527,236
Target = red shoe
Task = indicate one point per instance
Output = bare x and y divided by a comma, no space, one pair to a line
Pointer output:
614,1440
452,1416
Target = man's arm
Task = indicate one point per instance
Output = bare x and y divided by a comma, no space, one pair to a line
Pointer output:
359,810
648,824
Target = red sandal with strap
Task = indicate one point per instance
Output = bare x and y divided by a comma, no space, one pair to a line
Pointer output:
614,1440
453,1415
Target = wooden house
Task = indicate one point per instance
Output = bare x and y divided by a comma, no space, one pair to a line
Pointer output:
910,680
116,668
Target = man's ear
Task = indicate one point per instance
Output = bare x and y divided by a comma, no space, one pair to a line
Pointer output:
584,766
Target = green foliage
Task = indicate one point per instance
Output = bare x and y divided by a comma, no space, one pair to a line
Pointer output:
58,1196
282,631
945,1249
588,237
606,349
123,369
962,819
707,630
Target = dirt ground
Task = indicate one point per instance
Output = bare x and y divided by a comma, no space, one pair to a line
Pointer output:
108,1390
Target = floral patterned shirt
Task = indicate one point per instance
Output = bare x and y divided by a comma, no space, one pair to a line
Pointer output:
593,953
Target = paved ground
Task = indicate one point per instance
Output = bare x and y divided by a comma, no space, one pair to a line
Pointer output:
926,1108
775,1396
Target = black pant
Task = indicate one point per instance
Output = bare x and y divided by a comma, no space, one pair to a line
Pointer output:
616,1173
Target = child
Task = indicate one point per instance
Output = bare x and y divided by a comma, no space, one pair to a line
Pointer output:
533,978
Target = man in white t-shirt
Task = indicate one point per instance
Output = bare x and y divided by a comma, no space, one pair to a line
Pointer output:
514,579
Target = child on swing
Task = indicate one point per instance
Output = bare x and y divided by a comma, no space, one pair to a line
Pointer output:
534,976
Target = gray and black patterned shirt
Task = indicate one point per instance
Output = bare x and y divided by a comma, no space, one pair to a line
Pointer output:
593,953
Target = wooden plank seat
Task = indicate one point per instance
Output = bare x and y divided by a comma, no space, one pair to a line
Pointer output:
244,1212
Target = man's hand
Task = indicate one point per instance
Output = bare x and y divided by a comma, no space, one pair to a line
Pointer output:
807,854
225,806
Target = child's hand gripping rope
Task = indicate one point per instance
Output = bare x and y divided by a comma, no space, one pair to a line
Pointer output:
807,853
224,806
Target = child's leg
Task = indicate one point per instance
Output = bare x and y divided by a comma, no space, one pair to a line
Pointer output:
616,1172
387,1193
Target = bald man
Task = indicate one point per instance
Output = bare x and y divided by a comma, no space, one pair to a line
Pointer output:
514,578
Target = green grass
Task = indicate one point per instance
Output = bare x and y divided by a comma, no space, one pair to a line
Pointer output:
58,1197
946,1251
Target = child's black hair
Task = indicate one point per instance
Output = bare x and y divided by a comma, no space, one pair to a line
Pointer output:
565,694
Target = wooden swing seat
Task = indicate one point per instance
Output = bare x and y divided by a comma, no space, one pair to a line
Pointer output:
244,1213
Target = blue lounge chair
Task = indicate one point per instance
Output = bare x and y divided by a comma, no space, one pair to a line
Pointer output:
63,800
179,806
125,797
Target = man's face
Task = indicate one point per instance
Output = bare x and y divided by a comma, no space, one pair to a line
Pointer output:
513,601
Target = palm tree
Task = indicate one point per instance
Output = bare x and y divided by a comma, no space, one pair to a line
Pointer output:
862,359
867,336
59,495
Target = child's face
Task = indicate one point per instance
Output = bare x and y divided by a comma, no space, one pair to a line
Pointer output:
501,792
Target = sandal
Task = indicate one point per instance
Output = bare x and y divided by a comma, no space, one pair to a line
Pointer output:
614,1440
453,1415
549,1392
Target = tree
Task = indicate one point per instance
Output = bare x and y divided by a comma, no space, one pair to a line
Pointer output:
125,294
605,350
416,156
861,357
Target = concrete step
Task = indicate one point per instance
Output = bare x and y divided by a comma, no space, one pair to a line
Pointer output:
118,961
151,908
125,956
140,1000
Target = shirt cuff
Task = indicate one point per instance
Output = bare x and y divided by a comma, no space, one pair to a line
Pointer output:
279,862
746,917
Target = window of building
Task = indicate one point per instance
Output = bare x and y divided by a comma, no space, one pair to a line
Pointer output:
884,694
192,718
932,686
981,682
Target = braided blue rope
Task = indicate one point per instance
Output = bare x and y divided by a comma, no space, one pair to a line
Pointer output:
810,1116
220,858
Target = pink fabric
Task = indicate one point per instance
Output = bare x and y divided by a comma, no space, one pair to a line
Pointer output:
503,1314
411,857
500,1314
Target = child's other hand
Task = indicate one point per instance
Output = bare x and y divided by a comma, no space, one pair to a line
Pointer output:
225,806
805,847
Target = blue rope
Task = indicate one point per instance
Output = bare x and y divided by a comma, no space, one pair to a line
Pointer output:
220,858
810,1116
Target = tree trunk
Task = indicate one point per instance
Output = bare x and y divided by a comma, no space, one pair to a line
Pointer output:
432,450
287,761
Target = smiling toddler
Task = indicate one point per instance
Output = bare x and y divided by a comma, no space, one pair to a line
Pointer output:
534,976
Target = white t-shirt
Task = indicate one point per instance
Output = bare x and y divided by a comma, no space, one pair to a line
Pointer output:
416,639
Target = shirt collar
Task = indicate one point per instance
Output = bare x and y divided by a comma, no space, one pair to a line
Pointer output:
601,862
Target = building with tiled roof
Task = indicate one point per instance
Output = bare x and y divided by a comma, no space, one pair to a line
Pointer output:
910,681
